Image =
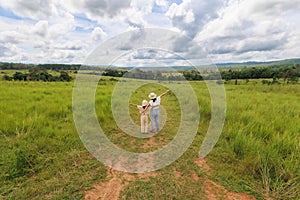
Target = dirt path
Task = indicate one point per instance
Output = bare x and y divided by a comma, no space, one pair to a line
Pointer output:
111,190
215,191
149,143
108,190
117,181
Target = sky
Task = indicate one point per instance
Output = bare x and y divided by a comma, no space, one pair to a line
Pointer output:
67,31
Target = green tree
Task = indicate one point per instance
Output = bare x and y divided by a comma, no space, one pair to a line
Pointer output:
7,78
19,76
64,76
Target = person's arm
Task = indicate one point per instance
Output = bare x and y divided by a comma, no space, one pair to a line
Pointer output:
146,108
163,94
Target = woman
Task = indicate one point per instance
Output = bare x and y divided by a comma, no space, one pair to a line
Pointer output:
154,103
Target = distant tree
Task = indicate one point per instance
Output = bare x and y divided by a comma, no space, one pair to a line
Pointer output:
7,78
19,76
158,75
64,76
34,74
193,75
293,80
226,75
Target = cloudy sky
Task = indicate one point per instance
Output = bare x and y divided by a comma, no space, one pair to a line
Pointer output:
67,31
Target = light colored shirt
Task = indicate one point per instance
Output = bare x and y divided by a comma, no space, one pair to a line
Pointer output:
141,109
156,104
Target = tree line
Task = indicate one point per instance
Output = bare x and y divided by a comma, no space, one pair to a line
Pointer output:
54,67
289,73
37,74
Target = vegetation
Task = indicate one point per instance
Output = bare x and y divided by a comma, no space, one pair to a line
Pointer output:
289,73
288,70
42,156
22,66
261,139
37,74
41,153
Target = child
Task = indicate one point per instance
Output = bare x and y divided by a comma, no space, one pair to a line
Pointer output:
144,111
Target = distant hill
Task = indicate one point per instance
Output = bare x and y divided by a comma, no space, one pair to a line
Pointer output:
265,64
233,64
21,66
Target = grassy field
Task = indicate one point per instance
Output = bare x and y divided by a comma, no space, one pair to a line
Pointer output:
42,156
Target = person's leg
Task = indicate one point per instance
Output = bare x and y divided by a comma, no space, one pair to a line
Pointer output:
152,115
142,124
157,120
146,124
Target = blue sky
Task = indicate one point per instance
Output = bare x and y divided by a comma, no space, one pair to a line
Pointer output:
57,31
9,14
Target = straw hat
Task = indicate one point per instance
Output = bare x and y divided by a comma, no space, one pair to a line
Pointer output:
152,95
144,103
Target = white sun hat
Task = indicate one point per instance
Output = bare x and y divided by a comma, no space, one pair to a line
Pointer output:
152,95
144,103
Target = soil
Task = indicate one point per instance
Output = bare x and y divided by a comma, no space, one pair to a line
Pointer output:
117,181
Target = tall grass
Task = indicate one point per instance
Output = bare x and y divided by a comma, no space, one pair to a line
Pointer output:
42,156
262,134
41,153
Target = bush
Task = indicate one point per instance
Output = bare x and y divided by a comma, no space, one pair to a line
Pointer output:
7,78
64,76
19,76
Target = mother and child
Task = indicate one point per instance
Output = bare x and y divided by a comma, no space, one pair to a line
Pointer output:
151,107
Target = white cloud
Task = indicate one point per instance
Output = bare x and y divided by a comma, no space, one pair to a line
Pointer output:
162,3
33,9
71,45
251,28
98,34
233,30
10,51
191,15
142,6
41,28
62,27
96,9
3,51
11,37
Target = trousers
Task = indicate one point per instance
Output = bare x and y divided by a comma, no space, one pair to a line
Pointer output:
154,117
144,123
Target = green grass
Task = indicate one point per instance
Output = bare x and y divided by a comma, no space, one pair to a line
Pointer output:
261,139
42,156
41,153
